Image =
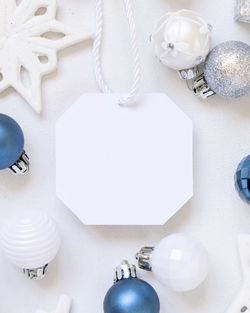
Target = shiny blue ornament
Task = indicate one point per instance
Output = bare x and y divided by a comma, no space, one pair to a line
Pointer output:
12,155
130,294
242,179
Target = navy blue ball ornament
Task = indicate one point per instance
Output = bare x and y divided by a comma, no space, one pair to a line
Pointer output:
12,154
242,179
130,294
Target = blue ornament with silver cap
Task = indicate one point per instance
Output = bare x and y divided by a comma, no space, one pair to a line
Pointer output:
242,179
12,154
130,294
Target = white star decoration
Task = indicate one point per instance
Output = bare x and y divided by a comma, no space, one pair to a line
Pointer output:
242,302
30,37
63,306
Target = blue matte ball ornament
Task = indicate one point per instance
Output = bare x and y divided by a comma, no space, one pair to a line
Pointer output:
11,141
242,179
131,295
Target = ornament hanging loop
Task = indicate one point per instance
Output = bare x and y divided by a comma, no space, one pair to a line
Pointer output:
132,96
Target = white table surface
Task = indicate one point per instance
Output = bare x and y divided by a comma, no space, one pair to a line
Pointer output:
83,268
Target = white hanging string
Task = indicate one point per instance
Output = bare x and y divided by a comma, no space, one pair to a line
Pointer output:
132,96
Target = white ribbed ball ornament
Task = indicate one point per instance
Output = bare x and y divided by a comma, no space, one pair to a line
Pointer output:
178,261
31,241
181,39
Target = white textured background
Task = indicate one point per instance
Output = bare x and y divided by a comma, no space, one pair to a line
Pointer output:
83,268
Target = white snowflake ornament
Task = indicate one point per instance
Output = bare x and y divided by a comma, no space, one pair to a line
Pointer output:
63,306
242,301
30,37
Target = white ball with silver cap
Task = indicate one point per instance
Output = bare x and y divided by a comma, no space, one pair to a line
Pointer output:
181,41
30,240
178,261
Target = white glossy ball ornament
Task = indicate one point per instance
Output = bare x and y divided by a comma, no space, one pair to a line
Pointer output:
31,241
181,39
180,262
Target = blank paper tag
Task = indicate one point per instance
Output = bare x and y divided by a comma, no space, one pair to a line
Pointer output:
124,165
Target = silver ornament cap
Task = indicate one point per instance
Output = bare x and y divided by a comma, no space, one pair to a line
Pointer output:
35,273
21,166
227,69
124,271
143,257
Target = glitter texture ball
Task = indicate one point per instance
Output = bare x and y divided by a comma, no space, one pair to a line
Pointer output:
227,69
242,179
181,40
180,262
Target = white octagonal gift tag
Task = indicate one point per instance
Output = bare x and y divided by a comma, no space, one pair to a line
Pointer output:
124,165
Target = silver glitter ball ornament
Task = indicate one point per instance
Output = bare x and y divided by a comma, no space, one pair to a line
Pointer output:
227,69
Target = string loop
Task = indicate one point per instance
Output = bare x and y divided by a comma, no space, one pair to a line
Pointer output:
132,96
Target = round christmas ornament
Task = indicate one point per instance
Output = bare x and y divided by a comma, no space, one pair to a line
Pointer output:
130,294
30,241
226,71
241,179
12,154
181,40
178,261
